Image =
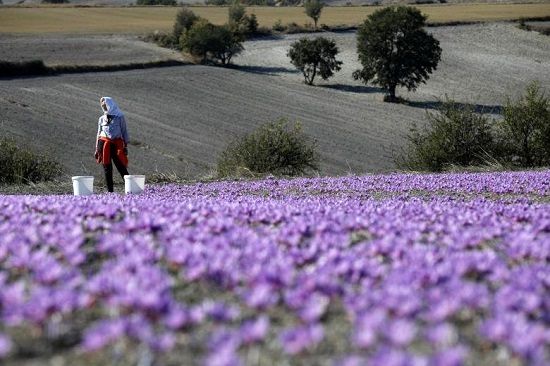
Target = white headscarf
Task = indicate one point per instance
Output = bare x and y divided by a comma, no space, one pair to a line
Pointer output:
112,107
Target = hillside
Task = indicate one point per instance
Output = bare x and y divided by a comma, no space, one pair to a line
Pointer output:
180,118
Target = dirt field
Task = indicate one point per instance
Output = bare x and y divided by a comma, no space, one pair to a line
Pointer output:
37,20
65,49
180,118
481,64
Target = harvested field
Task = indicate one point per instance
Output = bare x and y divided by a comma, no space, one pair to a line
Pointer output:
180,118
140,20
67,49
481,64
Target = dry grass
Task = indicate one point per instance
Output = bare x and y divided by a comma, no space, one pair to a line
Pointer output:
66,19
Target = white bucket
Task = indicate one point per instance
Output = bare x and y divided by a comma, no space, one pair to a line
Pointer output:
134,183
83,185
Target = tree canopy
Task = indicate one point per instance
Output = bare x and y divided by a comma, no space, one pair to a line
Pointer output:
313,9
211,42
395,50
315,56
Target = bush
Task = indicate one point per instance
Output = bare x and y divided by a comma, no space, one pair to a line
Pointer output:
278,26
217,2
250,24
185,18
240,23
162,39
525,129
22,166
157,2
293,27
55,1
211,42
315,56
236,13
456,135
274,148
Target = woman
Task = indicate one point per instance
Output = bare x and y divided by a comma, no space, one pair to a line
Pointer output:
112,141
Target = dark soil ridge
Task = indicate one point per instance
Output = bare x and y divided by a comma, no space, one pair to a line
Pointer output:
10,70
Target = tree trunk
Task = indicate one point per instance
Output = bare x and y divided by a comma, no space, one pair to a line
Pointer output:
313,75
391,91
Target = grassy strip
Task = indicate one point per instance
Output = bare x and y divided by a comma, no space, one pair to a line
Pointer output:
140,20
37,67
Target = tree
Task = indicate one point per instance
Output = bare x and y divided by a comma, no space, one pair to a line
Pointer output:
185,19
208,41
395,50
526,127
225,44
313,9
454,135
315,56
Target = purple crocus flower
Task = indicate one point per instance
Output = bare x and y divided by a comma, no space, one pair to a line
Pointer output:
254,330
5,345
297,339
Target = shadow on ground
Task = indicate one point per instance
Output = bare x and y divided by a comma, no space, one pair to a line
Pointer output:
264,70
479,108
359,89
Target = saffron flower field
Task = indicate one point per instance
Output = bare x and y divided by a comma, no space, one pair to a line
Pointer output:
400,269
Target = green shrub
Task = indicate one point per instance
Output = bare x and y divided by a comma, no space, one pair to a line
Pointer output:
217,2
211,42
455,135
274,148
162,39
250,24
278,26
22,166
185,18
525,129
55,1
293,28
241,23
236,12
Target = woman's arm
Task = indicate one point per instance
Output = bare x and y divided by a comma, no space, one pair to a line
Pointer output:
124,130
98,131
